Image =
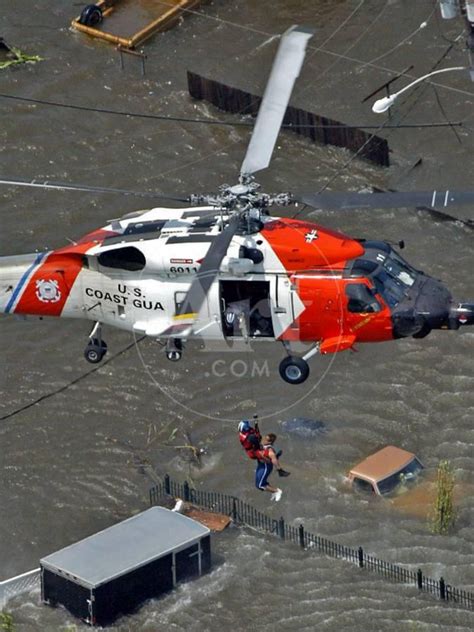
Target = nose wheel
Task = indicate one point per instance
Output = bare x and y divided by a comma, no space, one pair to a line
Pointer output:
96,347
294,370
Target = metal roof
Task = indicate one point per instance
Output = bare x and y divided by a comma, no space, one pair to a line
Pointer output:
382,464
125,546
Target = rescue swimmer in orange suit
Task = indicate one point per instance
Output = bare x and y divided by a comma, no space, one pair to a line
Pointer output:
251,440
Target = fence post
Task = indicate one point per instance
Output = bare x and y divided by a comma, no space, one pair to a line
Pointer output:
281,528
301,534
167,485
234,509
186,491
361,557
419,579
442,588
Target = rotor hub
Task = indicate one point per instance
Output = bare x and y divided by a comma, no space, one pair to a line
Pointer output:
239,189
242,197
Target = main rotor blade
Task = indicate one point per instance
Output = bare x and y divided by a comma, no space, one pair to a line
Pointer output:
405,199
285,70
208,271
62,186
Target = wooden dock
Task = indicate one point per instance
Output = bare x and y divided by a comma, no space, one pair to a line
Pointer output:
154,15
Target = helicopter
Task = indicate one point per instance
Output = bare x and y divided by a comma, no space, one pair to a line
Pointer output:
222,268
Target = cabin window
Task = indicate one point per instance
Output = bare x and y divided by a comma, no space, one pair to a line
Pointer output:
128,258
361,299
363,486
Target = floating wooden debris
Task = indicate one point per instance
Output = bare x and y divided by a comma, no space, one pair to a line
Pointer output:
10,56
123,15
212,520
318,128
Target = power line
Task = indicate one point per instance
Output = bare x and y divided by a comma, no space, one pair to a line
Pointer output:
183,119
65,387
320,49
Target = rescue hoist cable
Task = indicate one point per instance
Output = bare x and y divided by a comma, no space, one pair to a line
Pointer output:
76,380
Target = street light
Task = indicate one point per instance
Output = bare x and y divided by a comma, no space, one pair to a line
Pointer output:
382,105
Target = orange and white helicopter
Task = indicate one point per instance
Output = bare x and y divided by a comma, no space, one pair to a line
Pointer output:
223,268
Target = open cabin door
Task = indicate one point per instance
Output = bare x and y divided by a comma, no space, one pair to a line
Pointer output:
246,309
286,303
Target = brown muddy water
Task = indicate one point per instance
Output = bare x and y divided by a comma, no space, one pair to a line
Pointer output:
85,458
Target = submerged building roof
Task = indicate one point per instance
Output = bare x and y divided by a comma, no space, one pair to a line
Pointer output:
125,546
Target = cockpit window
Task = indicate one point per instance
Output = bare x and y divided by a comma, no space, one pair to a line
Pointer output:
391,289
361,299
399,269
390,273
128,258
363,267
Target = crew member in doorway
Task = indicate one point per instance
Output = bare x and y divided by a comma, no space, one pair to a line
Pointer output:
267,460
250,438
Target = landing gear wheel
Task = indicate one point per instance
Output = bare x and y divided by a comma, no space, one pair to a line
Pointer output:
294,370
95,351
174,349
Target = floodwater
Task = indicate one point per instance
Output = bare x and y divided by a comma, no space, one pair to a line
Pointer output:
85,458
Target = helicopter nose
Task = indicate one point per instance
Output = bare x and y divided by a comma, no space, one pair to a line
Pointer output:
427,306
433,304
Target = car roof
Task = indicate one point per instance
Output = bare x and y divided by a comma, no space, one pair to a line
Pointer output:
383,463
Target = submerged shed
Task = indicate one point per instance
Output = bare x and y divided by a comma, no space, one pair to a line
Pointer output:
112,572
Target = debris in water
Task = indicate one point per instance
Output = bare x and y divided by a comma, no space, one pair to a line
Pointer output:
304,427
9,56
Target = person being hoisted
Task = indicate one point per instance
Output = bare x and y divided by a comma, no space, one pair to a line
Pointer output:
251,441
267,459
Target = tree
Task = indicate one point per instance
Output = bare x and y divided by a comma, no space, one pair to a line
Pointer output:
6,622
443,514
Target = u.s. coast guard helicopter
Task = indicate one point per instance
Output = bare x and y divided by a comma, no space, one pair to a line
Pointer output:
223,268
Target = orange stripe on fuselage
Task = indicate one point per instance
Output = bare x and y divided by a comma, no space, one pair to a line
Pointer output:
49,287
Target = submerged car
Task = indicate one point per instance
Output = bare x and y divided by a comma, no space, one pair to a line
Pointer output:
385,471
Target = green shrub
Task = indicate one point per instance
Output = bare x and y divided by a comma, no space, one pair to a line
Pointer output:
6,622
443,514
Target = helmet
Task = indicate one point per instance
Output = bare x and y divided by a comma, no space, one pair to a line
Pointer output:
244,426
